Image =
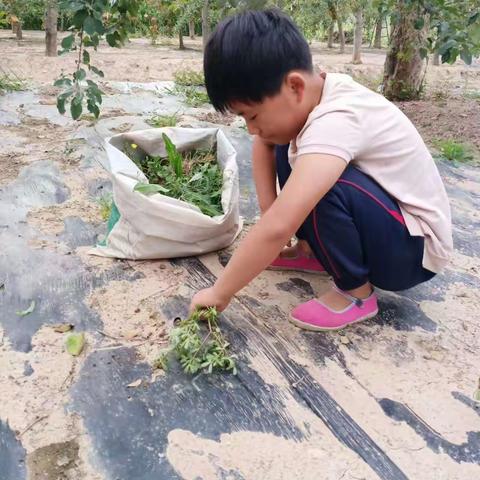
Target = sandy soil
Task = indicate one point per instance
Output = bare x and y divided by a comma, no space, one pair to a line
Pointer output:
57,443
451,109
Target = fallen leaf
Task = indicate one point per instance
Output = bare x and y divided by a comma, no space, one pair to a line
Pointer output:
131,334
29,310
344,340
75,343
135,384
476,395
62,327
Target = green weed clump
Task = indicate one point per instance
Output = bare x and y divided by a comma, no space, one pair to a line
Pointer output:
10,83
191,95
160,121
454,151
194,177
189,85
189,77
198,344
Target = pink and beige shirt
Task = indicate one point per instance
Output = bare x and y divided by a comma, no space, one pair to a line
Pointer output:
362,127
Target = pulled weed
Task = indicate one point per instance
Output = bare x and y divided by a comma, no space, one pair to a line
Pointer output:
194,177
198,344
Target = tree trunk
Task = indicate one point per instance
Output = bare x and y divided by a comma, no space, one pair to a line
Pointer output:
191,29
377,43
404,67
181,46
205,23
51,29
436,59
330,36
17,29
357,40
341,35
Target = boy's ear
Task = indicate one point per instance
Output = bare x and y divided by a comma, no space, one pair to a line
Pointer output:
295,83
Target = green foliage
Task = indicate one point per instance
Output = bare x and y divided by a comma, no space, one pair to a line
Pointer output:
194,177
160,121
198,344
91,20
30,12
4,23
10,82
189,77
174,156
454,151
458,31
192,96
454,26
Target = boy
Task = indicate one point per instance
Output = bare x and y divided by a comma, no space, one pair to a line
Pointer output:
358,184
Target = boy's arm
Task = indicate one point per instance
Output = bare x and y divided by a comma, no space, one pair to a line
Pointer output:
313,176
264,173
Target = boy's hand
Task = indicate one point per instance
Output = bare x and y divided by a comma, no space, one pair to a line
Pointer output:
209,297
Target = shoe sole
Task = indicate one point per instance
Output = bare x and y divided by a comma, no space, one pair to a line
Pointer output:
289,269
313,328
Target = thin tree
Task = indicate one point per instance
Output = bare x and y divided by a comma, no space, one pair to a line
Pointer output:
330,35
358,36
206,28
377,42
51,19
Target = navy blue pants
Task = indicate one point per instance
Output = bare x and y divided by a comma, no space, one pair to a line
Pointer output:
358,234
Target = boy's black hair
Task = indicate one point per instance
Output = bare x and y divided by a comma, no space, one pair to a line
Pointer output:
249,54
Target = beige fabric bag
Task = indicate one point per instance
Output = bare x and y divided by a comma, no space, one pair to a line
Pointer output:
158,226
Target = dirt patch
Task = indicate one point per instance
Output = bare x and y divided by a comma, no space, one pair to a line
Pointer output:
252,455
217,117
57,461
37,383
10,166
50,220
453,118
138,306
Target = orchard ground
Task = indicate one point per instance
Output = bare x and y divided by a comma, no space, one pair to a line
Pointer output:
390,398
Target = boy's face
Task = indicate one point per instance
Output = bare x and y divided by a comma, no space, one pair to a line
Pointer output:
276,119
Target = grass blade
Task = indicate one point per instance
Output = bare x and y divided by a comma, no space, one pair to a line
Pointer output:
174,156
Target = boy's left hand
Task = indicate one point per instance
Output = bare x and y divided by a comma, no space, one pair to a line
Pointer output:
209,297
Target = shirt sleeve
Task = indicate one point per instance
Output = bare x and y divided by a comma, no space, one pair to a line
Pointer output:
334,133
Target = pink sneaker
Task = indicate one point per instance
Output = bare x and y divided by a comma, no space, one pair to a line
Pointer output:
300,263
316,316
